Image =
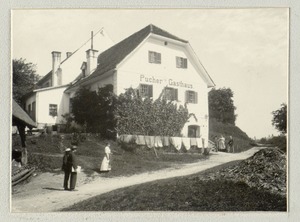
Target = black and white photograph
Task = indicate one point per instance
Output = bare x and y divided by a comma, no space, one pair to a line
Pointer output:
149,110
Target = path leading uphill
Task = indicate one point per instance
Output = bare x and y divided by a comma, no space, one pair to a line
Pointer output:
50,197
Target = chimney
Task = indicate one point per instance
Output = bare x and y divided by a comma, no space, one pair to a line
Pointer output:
91,61
56,59
91,58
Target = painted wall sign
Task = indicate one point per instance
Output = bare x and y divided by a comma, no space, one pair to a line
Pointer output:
169,82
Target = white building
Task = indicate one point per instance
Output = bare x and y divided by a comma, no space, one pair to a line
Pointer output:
149,60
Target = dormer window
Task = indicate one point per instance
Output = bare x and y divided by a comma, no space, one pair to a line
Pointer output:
181,62
154,57
83,69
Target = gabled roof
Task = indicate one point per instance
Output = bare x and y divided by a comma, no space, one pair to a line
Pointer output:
19,115
110,58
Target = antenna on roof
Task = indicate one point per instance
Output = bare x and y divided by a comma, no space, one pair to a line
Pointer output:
92,40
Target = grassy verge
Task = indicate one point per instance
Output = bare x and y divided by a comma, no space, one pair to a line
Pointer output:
189,193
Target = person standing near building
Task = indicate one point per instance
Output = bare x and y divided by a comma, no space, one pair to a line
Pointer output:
222,146
230,144
74,169
105,164
69,167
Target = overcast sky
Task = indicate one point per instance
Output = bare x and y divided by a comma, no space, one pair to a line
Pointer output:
243,49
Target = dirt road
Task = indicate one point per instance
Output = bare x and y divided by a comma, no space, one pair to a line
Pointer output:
44,193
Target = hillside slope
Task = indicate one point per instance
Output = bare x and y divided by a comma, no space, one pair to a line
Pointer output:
241,140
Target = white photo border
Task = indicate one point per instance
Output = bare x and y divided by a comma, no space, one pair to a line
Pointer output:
294,117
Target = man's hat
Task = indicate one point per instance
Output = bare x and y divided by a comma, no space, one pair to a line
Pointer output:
68,149
74,147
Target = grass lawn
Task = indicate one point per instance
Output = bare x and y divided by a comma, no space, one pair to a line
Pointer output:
189,193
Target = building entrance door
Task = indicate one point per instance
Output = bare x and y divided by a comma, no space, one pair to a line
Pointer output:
194,131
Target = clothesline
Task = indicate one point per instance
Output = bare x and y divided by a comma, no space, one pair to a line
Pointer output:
164,141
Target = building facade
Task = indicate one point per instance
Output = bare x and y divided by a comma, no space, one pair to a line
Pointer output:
151,61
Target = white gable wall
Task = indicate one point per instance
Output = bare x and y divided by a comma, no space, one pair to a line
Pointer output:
136,70
51,96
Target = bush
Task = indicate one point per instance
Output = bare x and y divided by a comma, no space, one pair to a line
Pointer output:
279,141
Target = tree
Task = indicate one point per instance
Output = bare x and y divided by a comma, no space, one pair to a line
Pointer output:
95,110
280,118
221,105
24,78
143,116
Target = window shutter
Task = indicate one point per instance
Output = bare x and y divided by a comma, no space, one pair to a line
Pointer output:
150,90
187,96
177,62
196,97
149,59
185,63
158,58
176,94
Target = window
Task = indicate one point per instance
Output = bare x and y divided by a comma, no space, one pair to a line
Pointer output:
53,110
191,97
194,131
71,105
171,94
154,57
29,109
33,111
181,62
146,90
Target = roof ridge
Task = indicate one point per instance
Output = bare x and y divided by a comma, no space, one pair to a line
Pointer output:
157,29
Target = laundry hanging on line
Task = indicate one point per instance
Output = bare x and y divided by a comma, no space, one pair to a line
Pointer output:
186,142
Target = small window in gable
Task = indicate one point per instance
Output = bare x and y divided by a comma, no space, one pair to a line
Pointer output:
53,110
154,57
171,94
191,96
181,62
146,91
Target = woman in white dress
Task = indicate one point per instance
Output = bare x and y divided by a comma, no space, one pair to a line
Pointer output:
222,146
105,165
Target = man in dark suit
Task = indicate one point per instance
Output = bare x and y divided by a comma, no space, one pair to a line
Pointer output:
69,167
